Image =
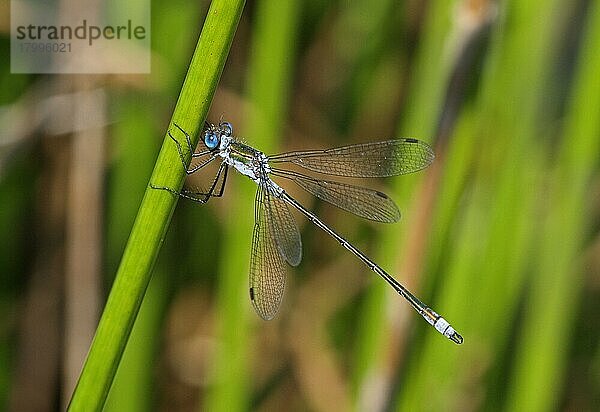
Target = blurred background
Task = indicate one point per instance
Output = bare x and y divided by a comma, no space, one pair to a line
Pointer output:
500,234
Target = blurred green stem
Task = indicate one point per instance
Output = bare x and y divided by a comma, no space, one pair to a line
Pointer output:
270,72
155,212
544,345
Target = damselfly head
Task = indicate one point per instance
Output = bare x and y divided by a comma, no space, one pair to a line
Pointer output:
213,134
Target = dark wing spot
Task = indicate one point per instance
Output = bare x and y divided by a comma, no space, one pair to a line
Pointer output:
382,195
251,293
410,140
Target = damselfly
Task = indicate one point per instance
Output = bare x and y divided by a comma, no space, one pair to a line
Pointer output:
276,238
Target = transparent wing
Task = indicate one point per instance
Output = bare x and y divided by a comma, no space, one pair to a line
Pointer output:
363,202
283,225
379,159
267,264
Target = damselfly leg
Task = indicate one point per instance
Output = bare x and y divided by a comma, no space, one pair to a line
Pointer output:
198,195
191,150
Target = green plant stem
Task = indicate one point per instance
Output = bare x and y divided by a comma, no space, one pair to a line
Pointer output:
155,212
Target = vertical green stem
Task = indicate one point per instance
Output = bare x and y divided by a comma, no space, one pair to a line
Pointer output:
155,212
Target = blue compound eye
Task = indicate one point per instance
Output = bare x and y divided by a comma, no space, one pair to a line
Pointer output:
226,128
211,140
